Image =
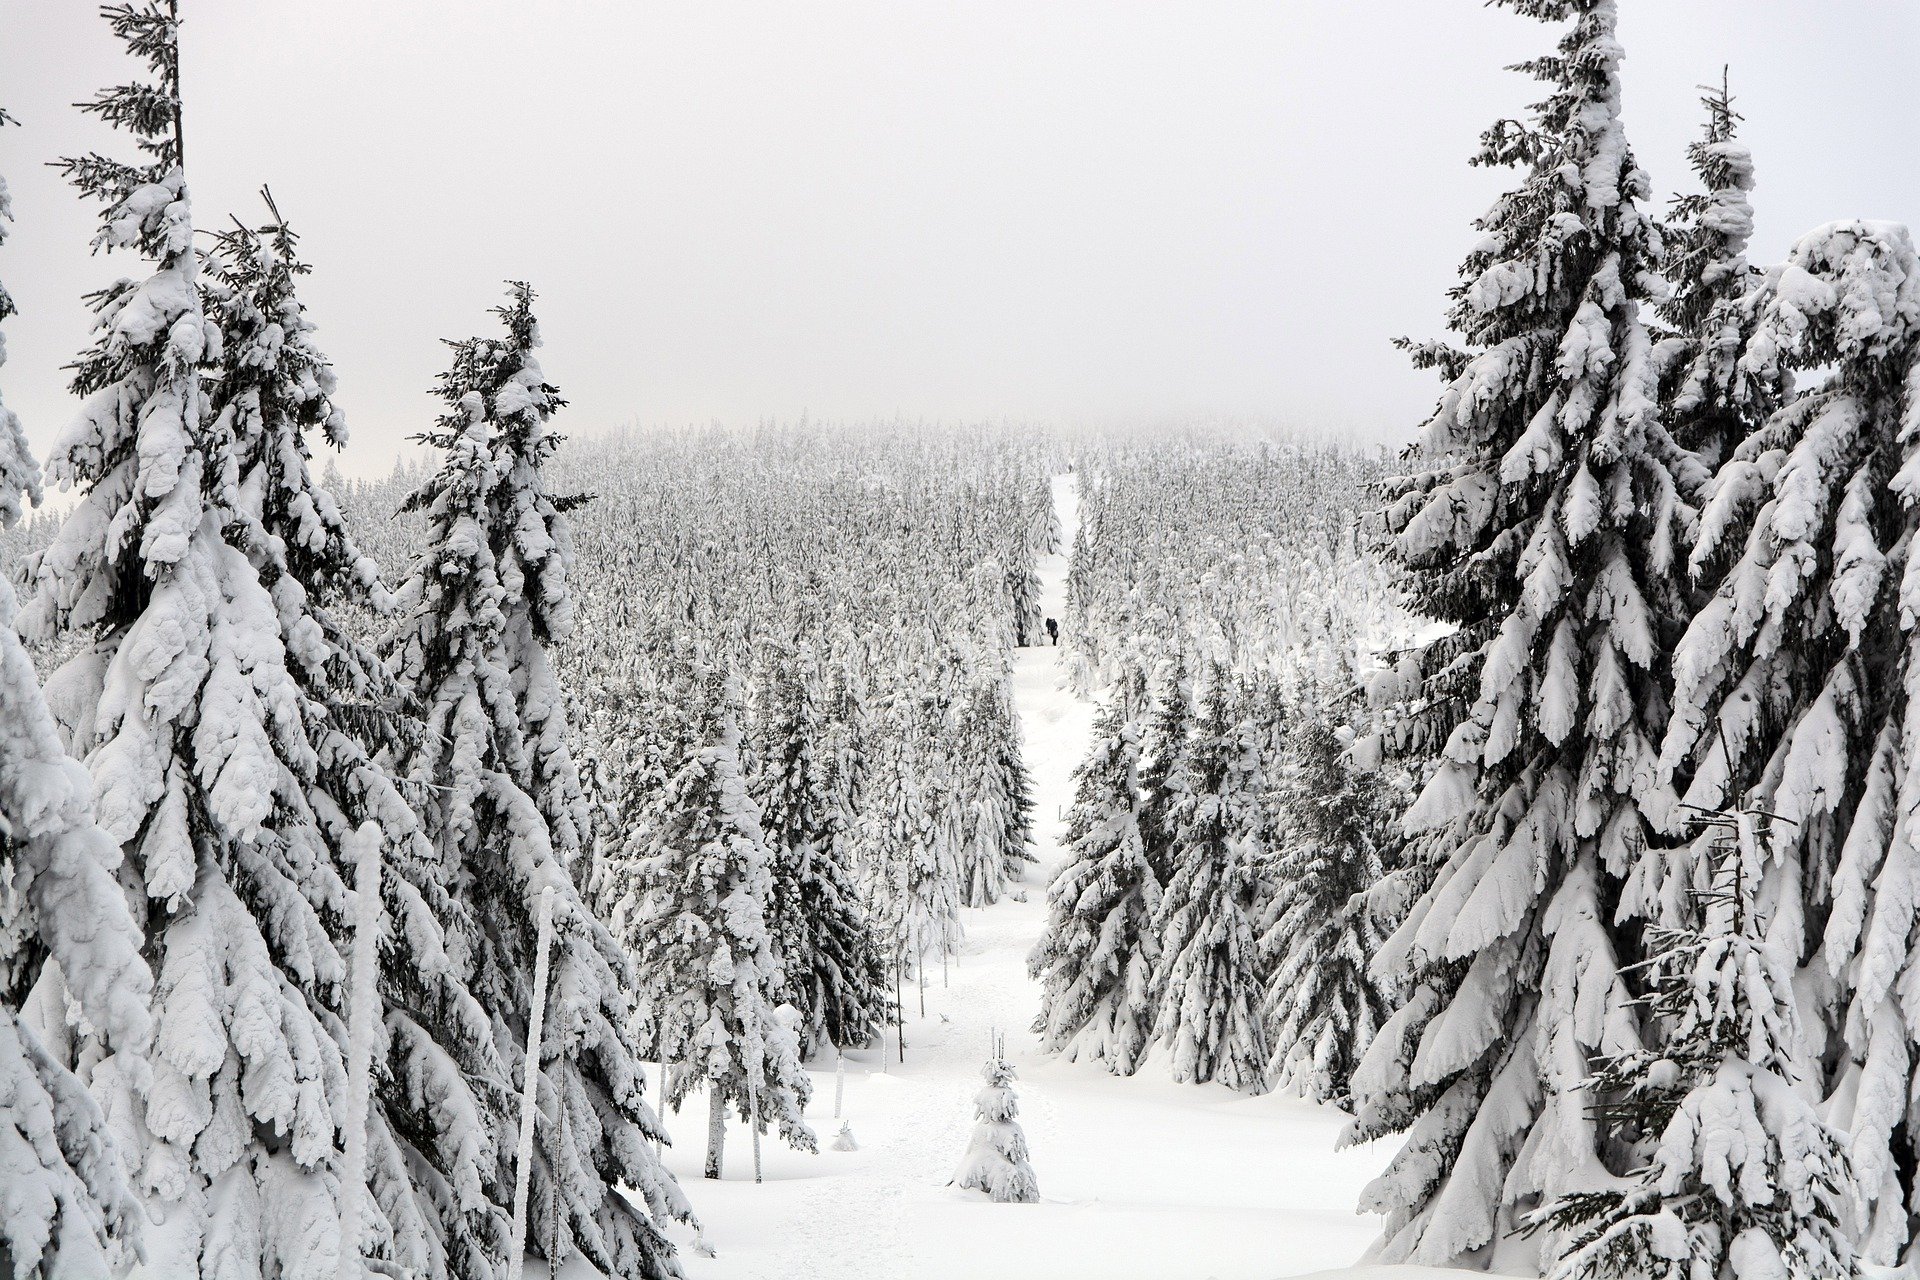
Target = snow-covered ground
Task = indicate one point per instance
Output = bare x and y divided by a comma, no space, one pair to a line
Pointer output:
1138,1177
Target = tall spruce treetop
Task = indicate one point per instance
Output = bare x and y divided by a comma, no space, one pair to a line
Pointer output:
1544,523
505,810
64,1200
138,449
1713,400
1708,231
274,394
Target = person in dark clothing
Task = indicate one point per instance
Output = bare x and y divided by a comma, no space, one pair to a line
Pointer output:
1053,633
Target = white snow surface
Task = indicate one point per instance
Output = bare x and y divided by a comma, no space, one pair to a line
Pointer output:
1141,1179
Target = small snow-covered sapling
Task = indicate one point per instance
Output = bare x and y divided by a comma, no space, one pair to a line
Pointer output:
996,1159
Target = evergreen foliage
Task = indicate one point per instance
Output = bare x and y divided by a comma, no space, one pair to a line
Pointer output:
1741,1177
501,802
186,696
831,969
65,1205
1544,521
1790,684
1095,956
1207,977
1712,399
996,1159
695,919
1333,838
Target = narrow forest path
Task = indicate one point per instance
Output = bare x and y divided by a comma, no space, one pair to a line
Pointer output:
1141,1179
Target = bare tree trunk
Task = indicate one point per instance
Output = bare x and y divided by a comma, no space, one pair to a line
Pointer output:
716,1127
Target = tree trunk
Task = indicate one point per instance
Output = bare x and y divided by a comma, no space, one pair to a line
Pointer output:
716,1127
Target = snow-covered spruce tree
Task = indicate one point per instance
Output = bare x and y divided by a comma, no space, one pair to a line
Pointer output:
1009,787
498,793
65,1206
1094,960
1023,591
1318,935
180,700
1543,524
1793,684
996,1161
1741,1177
1044,534
997,834
1713,401
831,969
697,926
1162,768
271,394
1207,974
912,836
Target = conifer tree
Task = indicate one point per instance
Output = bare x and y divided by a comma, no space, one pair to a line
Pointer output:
1318,932
1543,521
1162,769
65,1205
270,394
1741,1176
1792,684
502,807
697,924
1043,518
1713,401
180,699
997,826
1095,956
830,964
1206,977
912,835
1023,592
996,1161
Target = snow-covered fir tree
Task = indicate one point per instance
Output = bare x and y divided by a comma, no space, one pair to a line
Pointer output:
997,832
695,919
1162,767
1094,960
271,396
1044,533
1793,684
831,969
1332,834
1544,522
996,1161
180,697
1206,978
1739,1175
913,834
65,1205
1712,400
502,807
1023,591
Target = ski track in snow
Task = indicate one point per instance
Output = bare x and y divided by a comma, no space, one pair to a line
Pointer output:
1140,1179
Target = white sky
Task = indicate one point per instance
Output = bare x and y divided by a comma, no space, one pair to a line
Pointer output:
1006,209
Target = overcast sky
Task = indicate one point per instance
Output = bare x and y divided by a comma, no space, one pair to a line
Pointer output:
964,209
